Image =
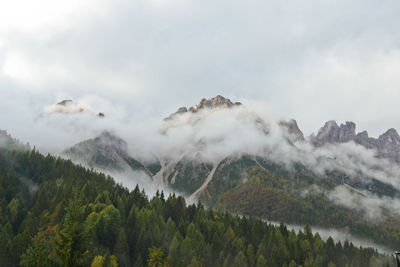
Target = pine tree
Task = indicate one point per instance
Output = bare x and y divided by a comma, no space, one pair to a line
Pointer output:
157,258
121,249
250,255
261,262
240,260
71,242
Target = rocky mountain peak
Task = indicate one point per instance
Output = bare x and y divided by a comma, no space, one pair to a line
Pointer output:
363,134
215,102
328,128
387,145
106,143
65,102
182,110
295,134
106,152
331,132
211,103
347,131
69,106
108,139
391,136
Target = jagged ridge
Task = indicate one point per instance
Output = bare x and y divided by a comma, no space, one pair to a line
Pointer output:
212,103
387,144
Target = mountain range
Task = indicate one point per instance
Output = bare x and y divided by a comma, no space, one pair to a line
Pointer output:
234,159
110,151
343,189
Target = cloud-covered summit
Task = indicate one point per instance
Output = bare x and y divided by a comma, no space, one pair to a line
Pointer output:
70,107
211,103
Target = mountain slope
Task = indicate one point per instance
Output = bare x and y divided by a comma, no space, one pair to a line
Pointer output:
107,152
8,142
77,217
296,197
236,160
260,185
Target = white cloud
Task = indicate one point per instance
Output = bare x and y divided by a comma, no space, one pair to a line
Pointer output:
34,16
372,206
15,66
25,71
310,60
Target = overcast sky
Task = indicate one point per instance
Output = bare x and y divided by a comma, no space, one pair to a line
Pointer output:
313,60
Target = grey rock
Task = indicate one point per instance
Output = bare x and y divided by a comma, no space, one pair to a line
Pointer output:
212,103
347,132
215,102
332,133
329,133
65,102
387,145
390,137
292,130
182,110
105,152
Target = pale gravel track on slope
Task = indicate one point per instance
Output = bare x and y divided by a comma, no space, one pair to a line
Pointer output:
197,193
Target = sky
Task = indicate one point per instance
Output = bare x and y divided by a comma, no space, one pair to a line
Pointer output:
314,61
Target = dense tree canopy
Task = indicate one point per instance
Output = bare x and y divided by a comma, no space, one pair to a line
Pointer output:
55,213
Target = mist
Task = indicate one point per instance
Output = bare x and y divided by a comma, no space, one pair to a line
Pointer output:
374,207
339,235
209,136
212,135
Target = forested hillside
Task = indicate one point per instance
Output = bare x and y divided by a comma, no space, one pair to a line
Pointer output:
337,179
55,213
297,196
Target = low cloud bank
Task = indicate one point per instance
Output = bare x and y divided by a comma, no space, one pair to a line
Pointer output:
340,235
210,135
131,178
373,207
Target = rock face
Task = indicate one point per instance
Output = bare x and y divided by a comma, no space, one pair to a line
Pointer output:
387,144
215,102
106,151
292,130
332,133
68,106
65,102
